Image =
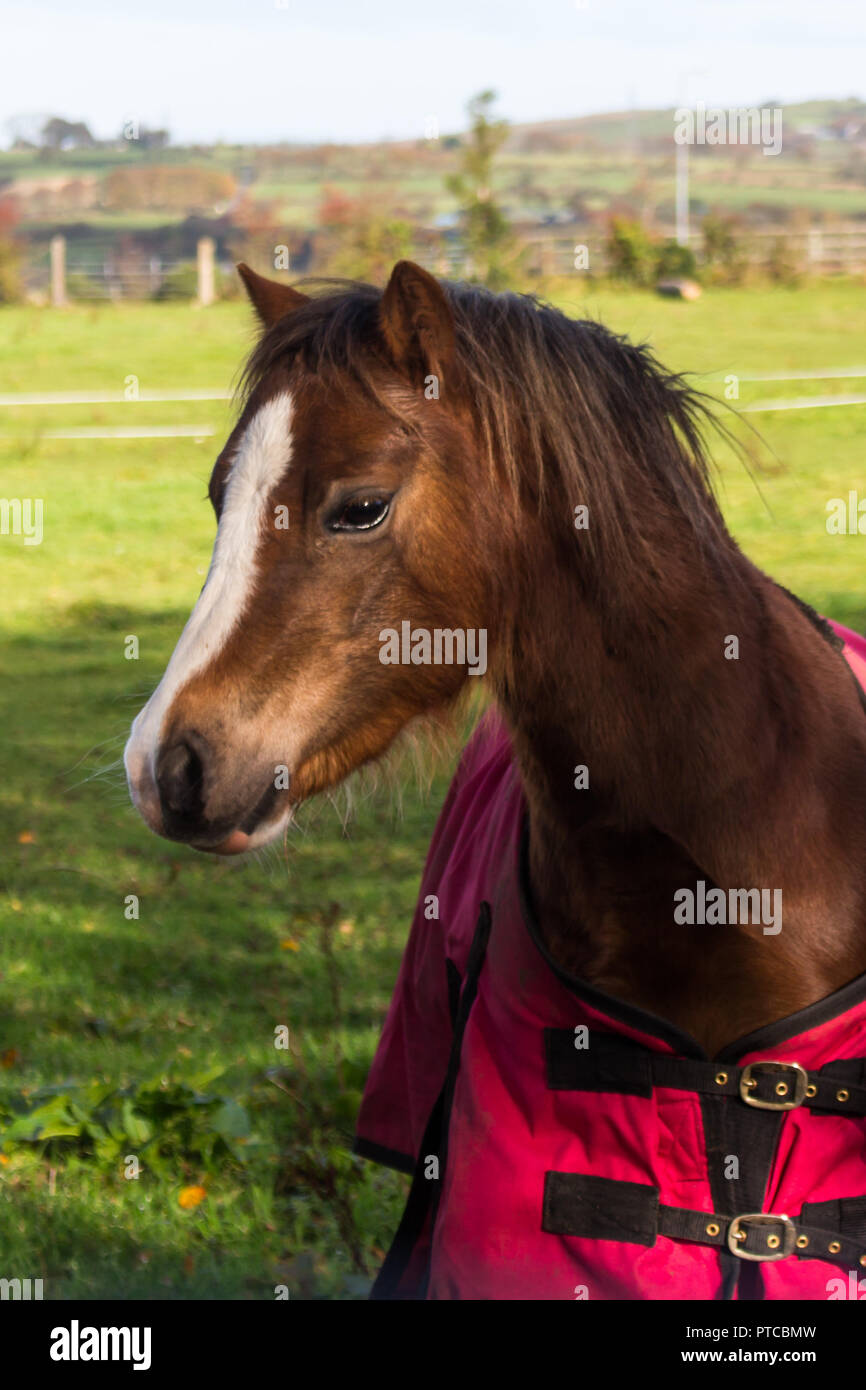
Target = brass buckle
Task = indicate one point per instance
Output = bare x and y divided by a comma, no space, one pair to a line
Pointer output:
736,1235
791,1086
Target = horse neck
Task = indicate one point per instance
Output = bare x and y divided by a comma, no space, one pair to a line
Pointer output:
742,765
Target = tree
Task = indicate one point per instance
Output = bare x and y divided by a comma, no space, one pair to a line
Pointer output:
486,230
59,134
153,139
361,240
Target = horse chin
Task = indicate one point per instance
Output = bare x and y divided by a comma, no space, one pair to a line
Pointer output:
243,842
236,843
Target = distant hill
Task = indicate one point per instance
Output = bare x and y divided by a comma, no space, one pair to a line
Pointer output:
583,169
619,128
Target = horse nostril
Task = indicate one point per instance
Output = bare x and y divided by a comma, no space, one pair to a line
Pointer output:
179,777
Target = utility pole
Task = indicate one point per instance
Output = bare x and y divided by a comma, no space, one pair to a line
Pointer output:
682,167
682,193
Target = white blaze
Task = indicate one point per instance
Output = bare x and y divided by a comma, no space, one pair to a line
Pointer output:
263,456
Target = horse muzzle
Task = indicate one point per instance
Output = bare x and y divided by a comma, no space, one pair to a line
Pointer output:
187,793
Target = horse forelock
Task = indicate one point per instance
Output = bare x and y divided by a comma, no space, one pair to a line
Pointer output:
566,411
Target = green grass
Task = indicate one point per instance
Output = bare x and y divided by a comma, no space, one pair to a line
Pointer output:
158,1033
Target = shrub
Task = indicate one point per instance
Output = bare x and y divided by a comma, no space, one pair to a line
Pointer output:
179,283
366,247
10,272
724,255
80,285
781,264
630,252
675,262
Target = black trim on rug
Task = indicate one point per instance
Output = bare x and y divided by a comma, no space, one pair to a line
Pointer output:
608,1004
831,1006
378,1153
422,1203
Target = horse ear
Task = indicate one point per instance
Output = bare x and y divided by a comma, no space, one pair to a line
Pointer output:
269,298
416,321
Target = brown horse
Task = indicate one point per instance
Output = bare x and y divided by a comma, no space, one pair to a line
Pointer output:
460,462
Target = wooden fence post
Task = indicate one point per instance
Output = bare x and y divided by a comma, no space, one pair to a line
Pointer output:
205,263
57,255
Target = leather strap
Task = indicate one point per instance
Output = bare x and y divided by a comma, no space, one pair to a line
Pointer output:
618,1065
588,1207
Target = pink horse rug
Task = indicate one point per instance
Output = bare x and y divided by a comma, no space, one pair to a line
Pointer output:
566,1145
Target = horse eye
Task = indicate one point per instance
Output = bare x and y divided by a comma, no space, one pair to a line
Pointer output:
359,514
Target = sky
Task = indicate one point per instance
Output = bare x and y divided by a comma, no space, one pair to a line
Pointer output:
269,70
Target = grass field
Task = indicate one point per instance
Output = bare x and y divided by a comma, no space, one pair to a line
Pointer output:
153,1037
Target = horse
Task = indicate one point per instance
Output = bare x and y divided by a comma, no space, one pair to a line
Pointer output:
435,459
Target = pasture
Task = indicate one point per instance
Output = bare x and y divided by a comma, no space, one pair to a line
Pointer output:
152,1037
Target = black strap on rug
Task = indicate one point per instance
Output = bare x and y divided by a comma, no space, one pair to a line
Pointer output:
742,1110
618,1065
592,1208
